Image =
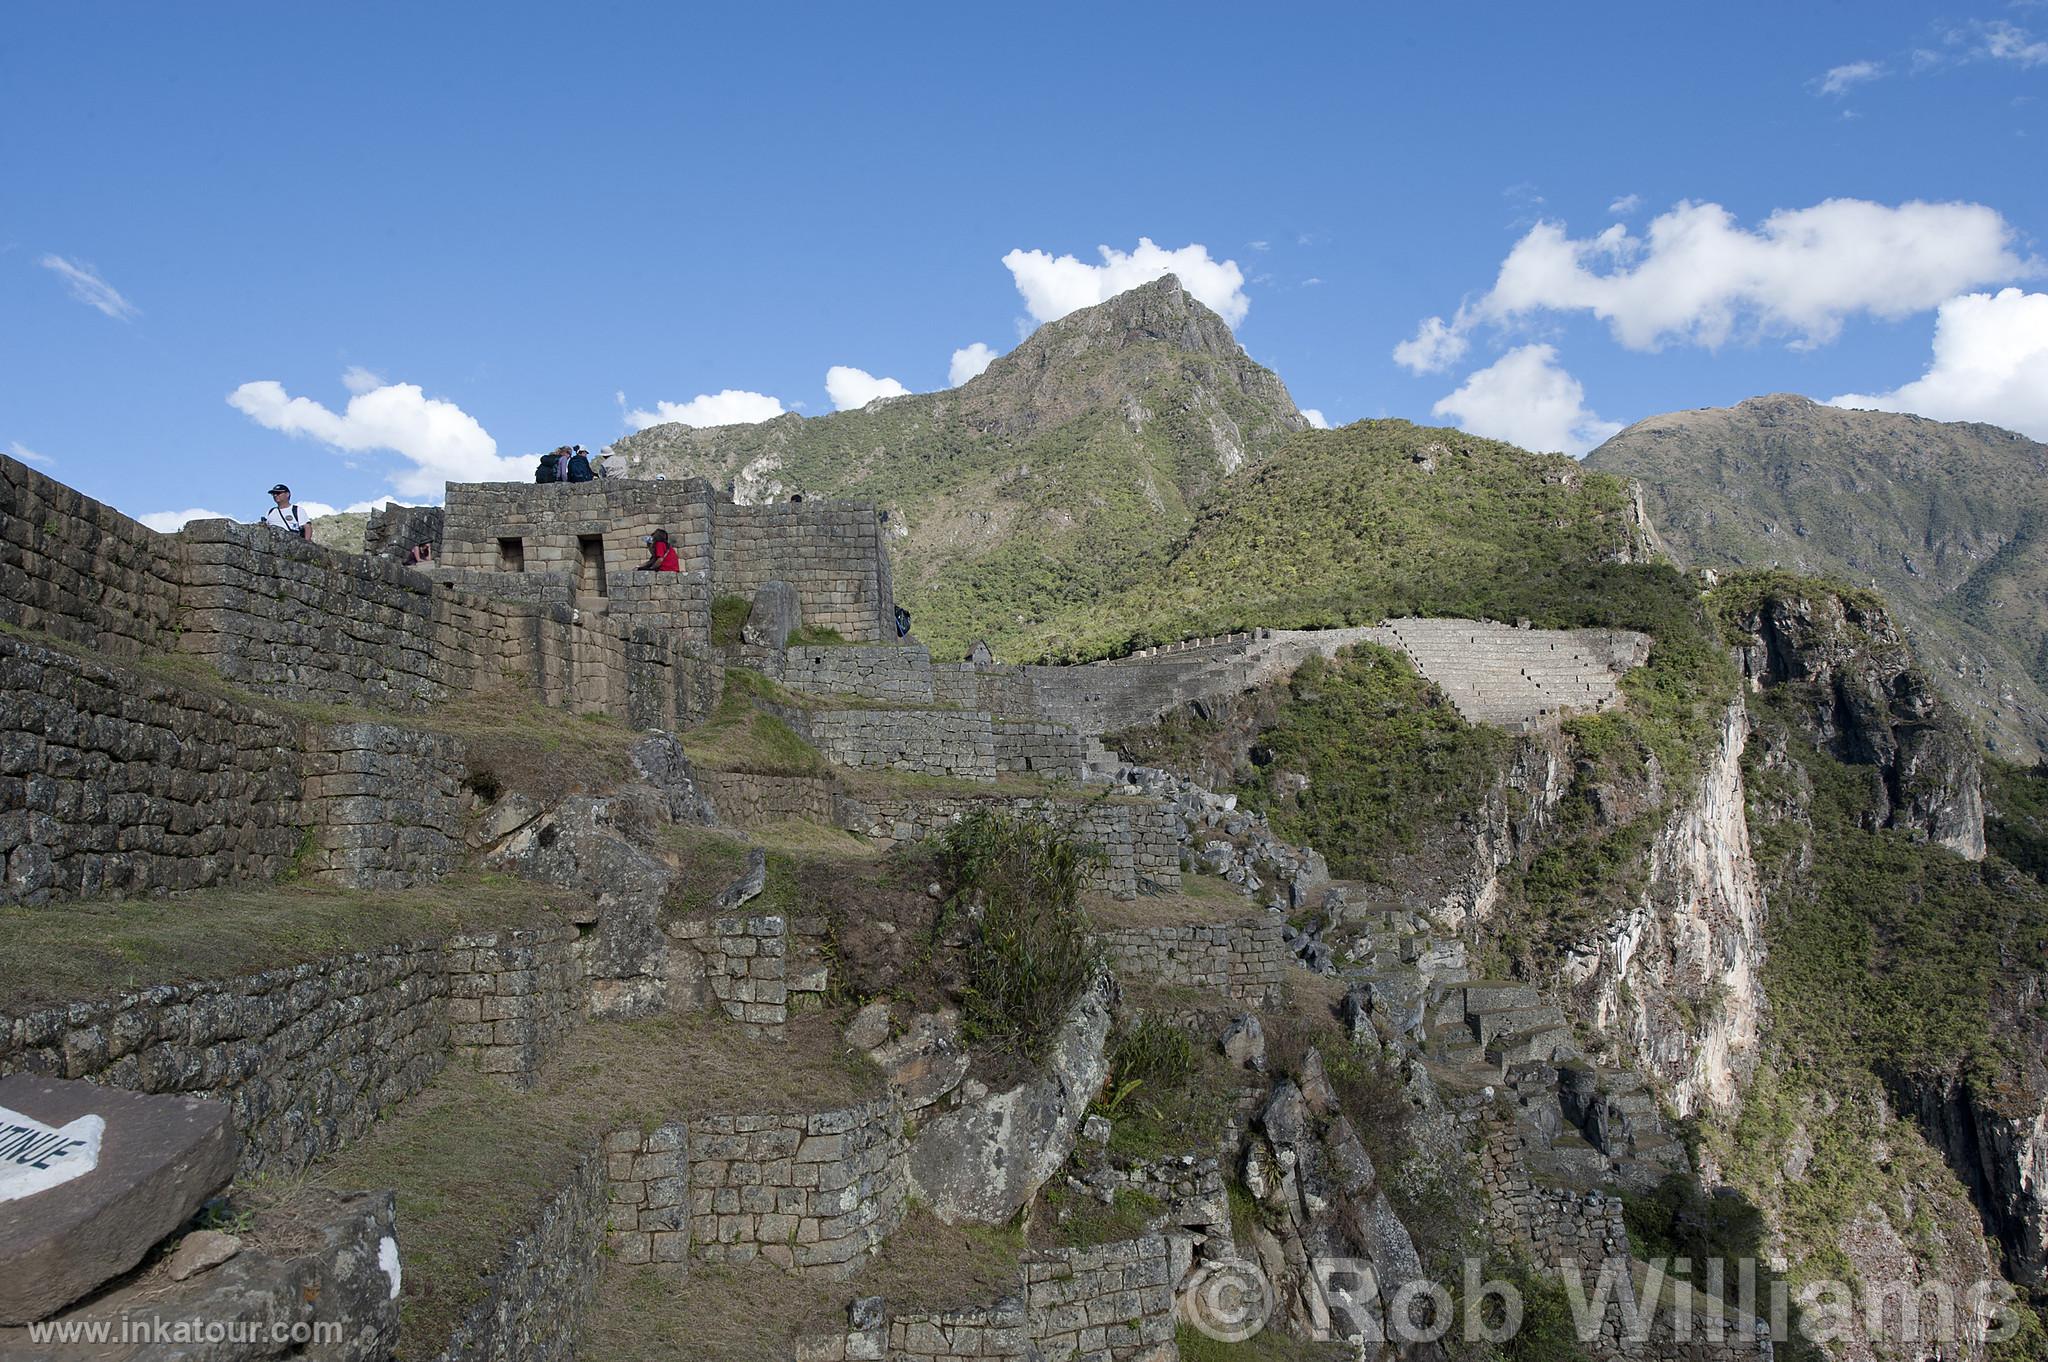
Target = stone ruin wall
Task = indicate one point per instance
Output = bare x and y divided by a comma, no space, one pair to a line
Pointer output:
126,782
1245,958
305,1056
756,969
831,552
512,996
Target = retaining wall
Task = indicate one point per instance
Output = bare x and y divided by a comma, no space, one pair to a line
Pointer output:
305,1057
938,742
748,800
512,996
815,1193
1110,1303
545,1283
121,781
79,570
117,781
1244,959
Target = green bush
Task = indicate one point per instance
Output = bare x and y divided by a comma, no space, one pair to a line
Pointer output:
729,615
1033,951
1384,754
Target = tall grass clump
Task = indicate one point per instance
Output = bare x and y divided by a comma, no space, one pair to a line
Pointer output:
1031,953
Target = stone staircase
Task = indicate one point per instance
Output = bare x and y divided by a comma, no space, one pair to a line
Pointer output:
1498,674
1582,1126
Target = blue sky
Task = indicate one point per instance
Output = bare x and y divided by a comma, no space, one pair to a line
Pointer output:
527,211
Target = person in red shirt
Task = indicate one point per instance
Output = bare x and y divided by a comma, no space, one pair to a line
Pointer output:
661,555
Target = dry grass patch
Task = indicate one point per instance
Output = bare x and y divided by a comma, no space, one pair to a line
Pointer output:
1202,899
744,1314
472,1158
100,947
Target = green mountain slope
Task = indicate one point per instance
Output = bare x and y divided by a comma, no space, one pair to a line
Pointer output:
1054,475
1948,520
1375,519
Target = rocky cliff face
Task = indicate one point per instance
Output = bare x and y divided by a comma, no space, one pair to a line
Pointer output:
1867,705
1674,981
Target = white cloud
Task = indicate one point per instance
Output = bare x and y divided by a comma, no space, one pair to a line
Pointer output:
851,387
88,288
1316,419
1696,277
443,442
2002,41
357,379
1839,80
1625,205
726,407
170,522
27,455
1054,286
1990,364
1435,345
969,362
1526,397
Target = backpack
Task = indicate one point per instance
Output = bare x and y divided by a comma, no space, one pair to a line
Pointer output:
547,470
579,467
902,622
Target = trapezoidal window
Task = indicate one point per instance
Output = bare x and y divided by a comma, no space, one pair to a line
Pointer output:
590,572
512,555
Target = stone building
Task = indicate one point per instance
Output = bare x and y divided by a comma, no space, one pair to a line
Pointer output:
831,552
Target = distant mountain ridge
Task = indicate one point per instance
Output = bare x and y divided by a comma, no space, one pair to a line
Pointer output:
1949,520
1049,478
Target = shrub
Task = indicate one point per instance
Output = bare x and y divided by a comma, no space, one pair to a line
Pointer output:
1033,951
729,615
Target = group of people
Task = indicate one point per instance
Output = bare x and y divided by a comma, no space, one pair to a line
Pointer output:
569,463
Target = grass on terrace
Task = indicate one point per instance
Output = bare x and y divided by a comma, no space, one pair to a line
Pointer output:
743,1314
94,948
472,1157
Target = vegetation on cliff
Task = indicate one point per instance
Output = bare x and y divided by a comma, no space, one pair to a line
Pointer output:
1945,518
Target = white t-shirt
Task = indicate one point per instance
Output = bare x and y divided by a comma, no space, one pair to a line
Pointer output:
285,518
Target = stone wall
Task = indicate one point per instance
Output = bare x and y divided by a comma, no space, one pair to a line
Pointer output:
79,570
292,620
757,970
832,552
1113,1301
937,742
392,530
124,782
118,781
1139,839
647,1177
744,799
545,1283
1244,959
305,1056
1036,747
385,805
512,996
895,673
677,604
812,1192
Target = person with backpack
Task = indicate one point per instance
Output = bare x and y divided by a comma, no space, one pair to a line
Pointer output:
554,465
579,466
284,515
661,555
